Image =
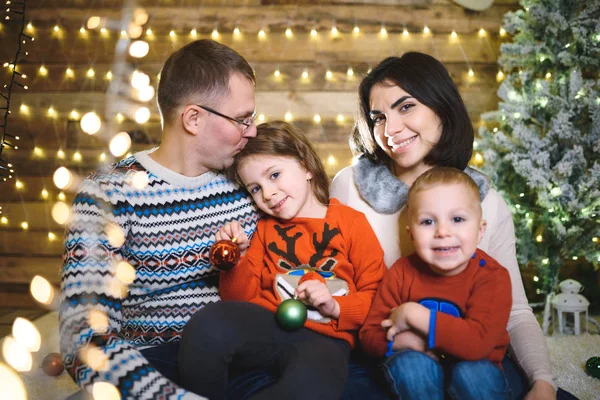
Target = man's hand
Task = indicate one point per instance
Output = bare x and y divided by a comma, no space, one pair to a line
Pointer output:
234,230
316,293
541,390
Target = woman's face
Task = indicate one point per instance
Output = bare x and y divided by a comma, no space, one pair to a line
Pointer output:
405,129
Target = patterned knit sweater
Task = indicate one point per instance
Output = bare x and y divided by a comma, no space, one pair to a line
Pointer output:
164,230
341,248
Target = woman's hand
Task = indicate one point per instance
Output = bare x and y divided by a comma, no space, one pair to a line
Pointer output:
541,390
315,293
234,230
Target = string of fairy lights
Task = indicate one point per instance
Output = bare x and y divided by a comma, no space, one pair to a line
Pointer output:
15,15
139,36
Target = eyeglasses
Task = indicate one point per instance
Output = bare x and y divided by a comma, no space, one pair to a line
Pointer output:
246,122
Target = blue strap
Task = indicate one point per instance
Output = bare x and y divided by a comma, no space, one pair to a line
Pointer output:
431,336
389,348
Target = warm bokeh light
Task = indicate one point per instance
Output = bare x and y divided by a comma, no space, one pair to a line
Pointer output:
16,355
139,79
90,123
139,179
146,94
26,334
115,235
120,144
98,321
24,225
51,236
61,212
41,290
105,391
139,49
140,16
93,22
12,387
142,115
62,178
317,118
125,272
134,31
288,117
94,358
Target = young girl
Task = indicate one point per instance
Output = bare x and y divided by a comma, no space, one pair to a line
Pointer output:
302,232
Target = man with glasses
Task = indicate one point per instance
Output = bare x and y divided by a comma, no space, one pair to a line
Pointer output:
162,232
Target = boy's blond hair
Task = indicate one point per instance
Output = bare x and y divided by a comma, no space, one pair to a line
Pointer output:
443,176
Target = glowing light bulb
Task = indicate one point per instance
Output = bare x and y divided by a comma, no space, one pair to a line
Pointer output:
51,236
16,355
313,32
471,73
453,35
51,112
56,28
125,272
261,34
481,32
149,32
288,117
61,196
317,118
261,117
236,31
383,31
350,71
26,334
24,225
62,178
146,93
277,73
43,71
328,74
289,33
44,194
305,74
502,32
4,221
340,118
105,391
334,30
90,123
356,30
193,33
426,30
539,238
142,115
139,79
499,76
139,49
120,144
215,34
120,117
60,154
69,73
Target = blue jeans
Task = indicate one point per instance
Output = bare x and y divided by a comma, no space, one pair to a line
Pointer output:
415,375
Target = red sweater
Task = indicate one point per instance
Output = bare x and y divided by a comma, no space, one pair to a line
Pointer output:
482,292
341,247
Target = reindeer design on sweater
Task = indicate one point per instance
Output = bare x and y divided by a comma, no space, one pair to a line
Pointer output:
319,262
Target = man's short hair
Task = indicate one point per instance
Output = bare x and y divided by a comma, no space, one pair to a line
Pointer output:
198,72
443,176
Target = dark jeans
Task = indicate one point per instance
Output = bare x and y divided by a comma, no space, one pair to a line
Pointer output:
246,336
413,375
364,382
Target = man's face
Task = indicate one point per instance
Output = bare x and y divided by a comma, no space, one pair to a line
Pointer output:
221,139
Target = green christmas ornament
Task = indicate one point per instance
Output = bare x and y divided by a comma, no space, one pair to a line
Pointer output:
291,314
592,367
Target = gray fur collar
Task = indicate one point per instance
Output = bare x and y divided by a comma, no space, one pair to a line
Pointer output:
386,194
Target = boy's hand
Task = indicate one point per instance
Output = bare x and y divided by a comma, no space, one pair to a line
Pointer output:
409,340
234,230
396,322
316,293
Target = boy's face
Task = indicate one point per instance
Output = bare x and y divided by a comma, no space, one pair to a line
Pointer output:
445,226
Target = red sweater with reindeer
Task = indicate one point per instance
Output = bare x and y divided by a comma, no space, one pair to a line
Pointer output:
341,247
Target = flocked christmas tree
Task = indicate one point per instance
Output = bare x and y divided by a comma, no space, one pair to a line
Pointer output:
543,150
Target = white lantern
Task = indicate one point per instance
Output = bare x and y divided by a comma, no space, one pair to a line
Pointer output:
570,301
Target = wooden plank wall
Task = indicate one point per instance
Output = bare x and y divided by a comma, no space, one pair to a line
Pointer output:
37,249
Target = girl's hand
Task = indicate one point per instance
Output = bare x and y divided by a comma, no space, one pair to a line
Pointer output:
315,293
234,230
